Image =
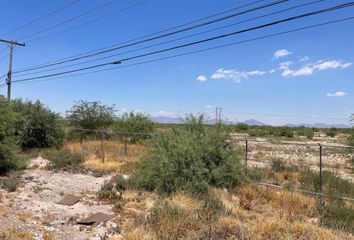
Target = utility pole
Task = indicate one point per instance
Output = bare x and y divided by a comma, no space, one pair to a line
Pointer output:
9,74
218,115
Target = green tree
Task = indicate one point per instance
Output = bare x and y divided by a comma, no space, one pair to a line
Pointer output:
138,123
8,149
91,116
38,126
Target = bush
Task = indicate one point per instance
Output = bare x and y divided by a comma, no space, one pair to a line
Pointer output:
9,157
11,181
279,165
63,158
37,127
338,216
331,132
190,158
332,185
110,190
90,117
135,123
307,132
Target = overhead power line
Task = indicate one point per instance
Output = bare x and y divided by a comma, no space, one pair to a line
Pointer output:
173,40
199,51
68,20
88,22
337,7
120,46
40,18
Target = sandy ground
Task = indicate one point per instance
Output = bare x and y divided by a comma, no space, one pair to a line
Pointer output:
32,208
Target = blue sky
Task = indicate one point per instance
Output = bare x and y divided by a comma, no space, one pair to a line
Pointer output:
305,76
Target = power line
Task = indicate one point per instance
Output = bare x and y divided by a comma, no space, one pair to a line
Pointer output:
40,18
152,34
337,7
68,20
157,37
88,22
199,51
177,39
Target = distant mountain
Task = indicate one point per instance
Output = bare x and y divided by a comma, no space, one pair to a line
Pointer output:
253,122
167,120
319,125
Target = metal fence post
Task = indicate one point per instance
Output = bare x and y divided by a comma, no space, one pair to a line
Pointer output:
125,144
320,167
246,152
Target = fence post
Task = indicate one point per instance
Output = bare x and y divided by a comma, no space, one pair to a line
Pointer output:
246,152
102,149
320,167
125,144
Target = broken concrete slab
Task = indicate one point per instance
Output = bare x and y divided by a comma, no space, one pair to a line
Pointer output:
95,219
69,200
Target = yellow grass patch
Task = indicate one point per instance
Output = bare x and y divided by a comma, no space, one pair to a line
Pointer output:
185,202
111,157
138,234
14,234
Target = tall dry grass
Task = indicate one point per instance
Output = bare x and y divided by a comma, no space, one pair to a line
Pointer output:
109,155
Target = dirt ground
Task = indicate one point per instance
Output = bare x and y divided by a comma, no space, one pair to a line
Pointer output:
32,209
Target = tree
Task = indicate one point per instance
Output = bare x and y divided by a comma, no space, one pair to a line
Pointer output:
91,116
8,149
138,123
37,126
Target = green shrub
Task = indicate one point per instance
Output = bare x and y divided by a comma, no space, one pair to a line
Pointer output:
107,191
135,123
110,189
63,158
189,158
279,165
331,132
338,216
37,126
11,181
9,152
332,185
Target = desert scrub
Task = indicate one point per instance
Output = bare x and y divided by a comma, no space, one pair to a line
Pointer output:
63,158
112,190
338,216
332,185
190,158
10,181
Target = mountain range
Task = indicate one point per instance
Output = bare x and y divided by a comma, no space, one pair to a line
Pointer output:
250,122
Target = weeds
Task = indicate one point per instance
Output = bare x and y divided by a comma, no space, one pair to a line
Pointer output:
11,181
63,158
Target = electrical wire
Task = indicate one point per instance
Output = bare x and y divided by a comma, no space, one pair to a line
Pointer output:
88,22
204,40
174,40
40,18
68,20
154,38
197,51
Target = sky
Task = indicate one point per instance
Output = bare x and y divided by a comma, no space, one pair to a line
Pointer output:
300,77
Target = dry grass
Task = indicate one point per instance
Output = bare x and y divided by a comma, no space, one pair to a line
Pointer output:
14,234
113,155
252,212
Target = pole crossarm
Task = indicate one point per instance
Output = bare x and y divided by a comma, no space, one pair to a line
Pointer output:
13,42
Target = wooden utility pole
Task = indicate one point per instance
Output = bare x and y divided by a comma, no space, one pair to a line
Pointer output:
9,74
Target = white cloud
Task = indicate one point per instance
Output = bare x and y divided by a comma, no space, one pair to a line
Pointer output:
309,69
281,53
272,71
304,59
304,71
234,75
331,64
336,94
202,78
